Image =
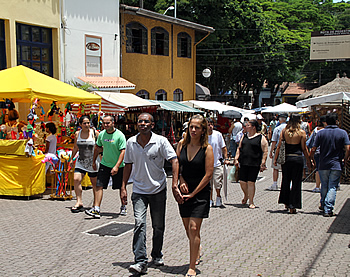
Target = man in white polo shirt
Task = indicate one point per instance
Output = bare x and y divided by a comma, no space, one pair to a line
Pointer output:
216,140
146,152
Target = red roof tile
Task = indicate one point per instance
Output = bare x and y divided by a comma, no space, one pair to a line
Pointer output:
107,82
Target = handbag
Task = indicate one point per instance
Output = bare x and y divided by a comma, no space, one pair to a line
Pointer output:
281,159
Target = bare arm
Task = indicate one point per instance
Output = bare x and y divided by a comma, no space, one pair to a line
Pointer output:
265,150
126,176
305,150
231,127
273,145
238,152
347,153
183,186
119,162
97,150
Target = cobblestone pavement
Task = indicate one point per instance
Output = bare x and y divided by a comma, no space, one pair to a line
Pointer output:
41,237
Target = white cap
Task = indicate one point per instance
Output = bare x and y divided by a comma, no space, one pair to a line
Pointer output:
259,116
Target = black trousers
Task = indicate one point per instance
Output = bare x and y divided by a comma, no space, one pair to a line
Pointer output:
292,171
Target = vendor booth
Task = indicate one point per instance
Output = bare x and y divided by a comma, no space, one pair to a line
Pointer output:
339,103
21,175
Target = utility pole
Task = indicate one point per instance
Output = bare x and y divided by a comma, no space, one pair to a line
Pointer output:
141,4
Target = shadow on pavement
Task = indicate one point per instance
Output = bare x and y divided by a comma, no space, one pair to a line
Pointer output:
181,269
341,224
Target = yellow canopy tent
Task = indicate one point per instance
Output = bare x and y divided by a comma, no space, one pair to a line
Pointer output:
22,84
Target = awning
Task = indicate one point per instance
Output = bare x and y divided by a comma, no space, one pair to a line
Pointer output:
107,83
333,98
175,106
22,84
113,102
282,108
213,106
202,90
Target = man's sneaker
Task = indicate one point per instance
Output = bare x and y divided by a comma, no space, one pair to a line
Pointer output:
273,187
330,214
158,261
218,202
211,203
92,212
123,210
138,268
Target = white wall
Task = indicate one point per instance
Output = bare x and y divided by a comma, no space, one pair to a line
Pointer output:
89,17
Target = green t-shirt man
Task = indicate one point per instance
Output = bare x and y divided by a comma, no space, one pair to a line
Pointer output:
112,145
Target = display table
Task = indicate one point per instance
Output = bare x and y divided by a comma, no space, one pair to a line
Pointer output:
22,176
13,147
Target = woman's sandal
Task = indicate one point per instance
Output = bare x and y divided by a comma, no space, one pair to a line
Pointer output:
252,206
77,209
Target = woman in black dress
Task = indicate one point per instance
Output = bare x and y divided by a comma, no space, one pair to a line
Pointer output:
197,164
251,157
292,169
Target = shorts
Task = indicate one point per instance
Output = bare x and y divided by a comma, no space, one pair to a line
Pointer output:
104,174
218,177
248,173
278,166
82,171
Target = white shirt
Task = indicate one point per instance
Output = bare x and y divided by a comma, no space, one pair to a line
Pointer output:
238,127
53,142
217,142
276,133
149,174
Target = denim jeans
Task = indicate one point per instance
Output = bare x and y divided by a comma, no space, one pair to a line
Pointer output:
233,147
156,203
329,183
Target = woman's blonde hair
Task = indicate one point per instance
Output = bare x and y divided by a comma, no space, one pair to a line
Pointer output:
293,125
204,137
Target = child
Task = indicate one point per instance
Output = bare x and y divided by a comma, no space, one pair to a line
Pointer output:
51,140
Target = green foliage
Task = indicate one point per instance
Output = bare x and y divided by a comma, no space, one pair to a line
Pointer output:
258,40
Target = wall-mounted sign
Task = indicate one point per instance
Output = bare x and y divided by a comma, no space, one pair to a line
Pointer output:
330,46
93,50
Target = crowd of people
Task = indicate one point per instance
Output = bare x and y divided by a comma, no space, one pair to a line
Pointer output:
198,170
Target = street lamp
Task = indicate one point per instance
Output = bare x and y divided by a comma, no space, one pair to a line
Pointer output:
169,8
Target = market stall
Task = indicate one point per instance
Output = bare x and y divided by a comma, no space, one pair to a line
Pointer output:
23,174
339,103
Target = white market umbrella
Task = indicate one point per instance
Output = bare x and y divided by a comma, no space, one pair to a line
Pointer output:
283,108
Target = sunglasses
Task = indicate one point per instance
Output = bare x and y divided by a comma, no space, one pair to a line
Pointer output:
143,120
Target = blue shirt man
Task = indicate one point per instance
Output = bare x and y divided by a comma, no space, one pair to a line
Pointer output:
331,141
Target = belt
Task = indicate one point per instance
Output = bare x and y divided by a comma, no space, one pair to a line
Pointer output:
294,155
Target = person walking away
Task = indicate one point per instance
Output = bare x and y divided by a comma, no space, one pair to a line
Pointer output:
111,142
332,140
262,125
84,143
197,164
309,143
146,153
274,140
251,157
216,140
234,129
292,169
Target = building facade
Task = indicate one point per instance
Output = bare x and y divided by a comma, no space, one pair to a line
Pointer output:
158,54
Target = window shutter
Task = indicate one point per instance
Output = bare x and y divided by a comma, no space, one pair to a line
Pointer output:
144,41
153,41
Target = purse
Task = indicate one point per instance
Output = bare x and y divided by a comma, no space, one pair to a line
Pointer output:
281,159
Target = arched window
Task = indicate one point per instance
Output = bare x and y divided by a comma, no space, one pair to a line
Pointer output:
178,95
161,95
136,38
143,94
159,41
184,45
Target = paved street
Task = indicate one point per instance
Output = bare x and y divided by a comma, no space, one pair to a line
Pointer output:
41,237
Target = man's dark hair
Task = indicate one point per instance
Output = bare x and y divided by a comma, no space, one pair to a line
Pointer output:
150,116
331,118
111,117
